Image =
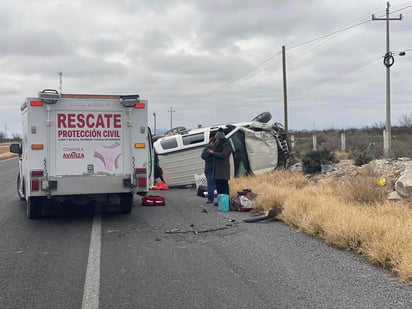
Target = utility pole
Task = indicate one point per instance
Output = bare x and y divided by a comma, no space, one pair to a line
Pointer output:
388,61
154,122
171,111
285,94
60,73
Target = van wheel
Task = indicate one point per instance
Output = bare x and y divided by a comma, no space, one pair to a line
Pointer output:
20,188
264,117
126,203
34,210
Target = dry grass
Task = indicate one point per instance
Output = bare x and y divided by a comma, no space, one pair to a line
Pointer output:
342,155
348,215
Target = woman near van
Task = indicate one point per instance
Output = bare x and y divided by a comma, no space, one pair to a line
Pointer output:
208,158
221,164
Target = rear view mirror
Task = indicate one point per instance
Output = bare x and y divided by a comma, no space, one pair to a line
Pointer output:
15,148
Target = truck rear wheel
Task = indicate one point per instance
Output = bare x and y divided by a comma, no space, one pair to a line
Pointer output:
20,188
34,210
126,203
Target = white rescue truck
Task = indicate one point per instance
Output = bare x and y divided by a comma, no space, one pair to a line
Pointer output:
79,148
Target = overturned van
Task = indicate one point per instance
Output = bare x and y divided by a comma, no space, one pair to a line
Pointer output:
257,147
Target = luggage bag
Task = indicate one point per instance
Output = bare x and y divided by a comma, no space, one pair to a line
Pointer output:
153,200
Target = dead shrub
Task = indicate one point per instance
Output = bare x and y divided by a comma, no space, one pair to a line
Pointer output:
363,188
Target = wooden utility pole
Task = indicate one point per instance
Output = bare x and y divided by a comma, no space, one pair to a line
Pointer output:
388,61
285,94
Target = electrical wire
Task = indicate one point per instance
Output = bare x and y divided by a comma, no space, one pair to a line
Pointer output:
334,76
329,34
409,5
238,77
247,73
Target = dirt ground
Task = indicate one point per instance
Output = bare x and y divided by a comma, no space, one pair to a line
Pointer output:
4,151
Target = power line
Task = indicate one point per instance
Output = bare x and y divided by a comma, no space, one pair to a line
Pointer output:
271,57
334,76
235,79
238,77
360,20
331,48
329,34
401,9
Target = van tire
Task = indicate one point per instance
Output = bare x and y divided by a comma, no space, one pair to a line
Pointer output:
126,203
34,207
20,188
264,117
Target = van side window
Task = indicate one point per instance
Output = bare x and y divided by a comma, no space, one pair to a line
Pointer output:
193,139
169,143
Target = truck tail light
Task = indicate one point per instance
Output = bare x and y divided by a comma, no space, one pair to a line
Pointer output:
141,176
36,103
141,170
142,181
37,173
35,185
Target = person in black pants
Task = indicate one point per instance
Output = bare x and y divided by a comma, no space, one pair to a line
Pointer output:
208,158
221,164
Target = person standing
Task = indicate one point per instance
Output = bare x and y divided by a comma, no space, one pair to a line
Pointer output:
221,164
158,172
208,158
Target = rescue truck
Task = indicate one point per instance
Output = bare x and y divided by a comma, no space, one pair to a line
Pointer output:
79,148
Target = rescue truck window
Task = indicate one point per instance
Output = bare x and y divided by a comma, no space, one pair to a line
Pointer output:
169,143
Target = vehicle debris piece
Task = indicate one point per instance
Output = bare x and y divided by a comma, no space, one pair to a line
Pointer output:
271,214
177,231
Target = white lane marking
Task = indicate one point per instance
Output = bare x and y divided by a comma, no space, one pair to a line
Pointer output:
92,283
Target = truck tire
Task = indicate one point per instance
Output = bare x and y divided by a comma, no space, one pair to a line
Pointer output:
20,188
126,203
34,210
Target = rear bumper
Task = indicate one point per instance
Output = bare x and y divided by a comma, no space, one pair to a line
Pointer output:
86,185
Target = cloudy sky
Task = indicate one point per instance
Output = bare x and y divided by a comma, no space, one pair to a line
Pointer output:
211,61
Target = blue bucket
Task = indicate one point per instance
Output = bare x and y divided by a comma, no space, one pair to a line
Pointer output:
223,202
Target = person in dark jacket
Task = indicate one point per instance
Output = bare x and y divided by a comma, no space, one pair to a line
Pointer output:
158,172
221,164
209,170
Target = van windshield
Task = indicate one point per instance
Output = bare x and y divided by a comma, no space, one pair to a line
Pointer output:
240,156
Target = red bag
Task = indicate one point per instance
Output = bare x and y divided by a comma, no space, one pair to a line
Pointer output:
160,186
153,200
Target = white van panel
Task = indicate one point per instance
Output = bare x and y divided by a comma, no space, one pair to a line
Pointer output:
262,151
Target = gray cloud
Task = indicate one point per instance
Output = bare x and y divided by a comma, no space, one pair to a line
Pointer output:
211,61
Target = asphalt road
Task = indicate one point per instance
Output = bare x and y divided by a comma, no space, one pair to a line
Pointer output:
93,257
